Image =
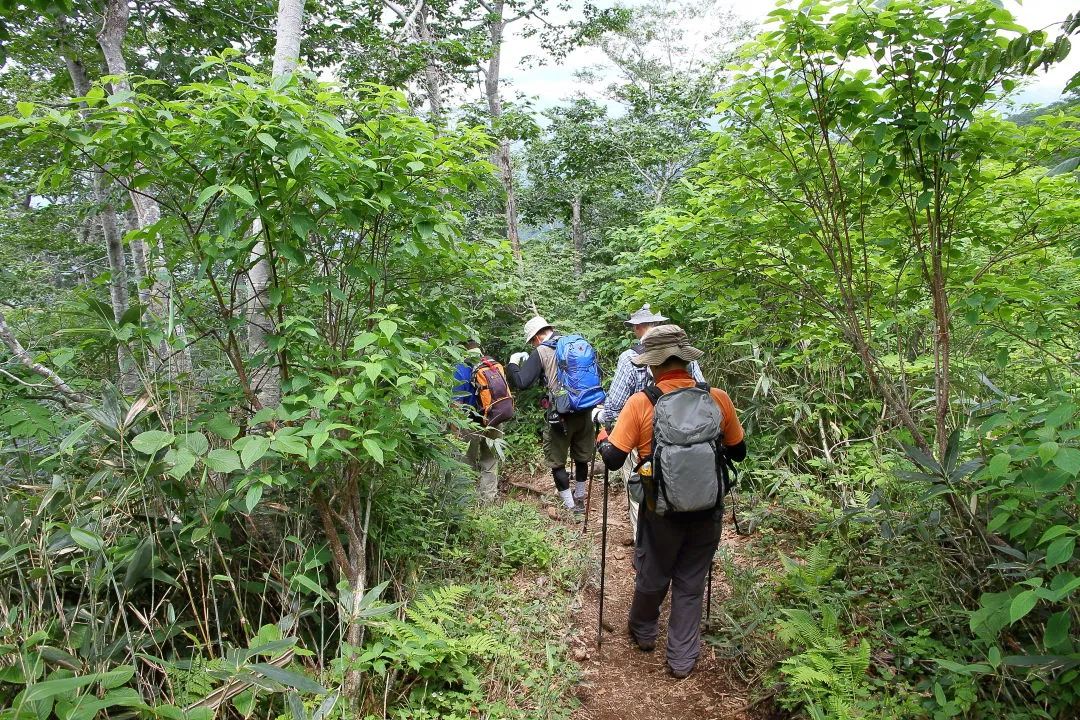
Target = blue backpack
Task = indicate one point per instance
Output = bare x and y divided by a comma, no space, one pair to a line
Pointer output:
578,375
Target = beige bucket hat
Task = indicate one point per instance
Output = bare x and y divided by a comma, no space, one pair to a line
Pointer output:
665,341
534,326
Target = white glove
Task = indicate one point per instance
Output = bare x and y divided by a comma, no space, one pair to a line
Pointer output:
597,414
518,358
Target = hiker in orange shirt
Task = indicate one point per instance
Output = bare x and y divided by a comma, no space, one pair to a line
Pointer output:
682,487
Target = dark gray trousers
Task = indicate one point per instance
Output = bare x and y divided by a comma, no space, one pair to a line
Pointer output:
676,554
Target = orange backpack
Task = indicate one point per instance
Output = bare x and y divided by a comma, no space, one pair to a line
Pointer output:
495,403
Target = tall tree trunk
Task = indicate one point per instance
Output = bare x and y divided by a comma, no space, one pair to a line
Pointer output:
939,293
577,232
139,255
506,168
119,293
496,28
266,379
432,82
111,39
147,211
290,25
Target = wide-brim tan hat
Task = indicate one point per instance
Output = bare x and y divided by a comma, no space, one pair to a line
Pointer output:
663,342
534,326
645,315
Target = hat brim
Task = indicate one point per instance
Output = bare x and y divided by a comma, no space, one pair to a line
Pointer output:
657,355
632,322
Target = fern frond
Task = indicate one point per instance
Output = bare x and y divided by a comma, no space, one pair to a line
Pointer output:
852,665
484,646
818,570
804,677
801,628
436,606
830,619
405,632
841,709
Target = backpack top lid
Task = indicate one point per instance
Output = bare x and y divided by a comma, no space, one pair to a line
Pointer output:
574,348
685,415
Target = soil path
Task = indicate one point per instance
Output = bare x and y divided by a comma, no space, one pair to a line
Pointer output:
621,682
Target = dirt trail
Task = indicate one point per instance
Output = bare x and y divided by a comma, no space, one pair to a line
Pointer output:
622,682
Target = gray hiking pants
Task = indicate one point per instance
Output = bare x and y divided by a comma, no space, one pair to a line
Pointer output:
676,554
481,457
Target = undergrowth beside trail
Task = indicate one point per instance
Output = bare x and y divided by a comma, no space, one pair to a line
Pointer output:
868,600
478,631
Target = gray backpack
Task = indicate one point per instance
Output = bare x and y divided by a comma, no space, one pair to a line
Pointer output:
687,450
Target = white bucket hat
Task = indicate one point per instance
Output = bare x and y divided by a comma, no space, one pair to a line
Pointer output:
534,326
645,315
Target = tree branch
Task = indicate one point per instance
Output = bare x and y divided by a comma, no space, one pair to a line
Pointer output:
15,348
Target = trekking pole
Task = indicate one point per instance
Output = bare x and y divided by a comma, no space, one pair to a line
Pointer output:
734,518
603,563
708,592
588,488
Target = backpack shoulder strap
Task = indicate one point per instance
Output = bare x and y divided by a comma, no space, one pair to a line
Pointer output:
702,386
653,392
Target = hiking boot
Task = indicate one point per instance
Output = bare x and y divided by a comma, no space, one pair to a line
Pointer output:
643,645
679,674
579,509
579,504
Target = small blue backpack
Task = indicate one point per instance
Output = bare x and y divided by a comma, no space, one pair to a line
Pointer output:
578,374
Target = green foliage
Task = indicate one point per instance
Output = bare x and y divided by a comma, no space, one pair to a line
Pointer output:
434,665
508,537
829,675
826,673
179,503
853,234
578,158
808,577
851,260
864,249
1030,486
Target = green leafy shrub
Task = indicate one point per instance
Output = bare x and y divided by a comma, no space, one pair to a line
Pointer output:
1027,622
509,536
426,665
